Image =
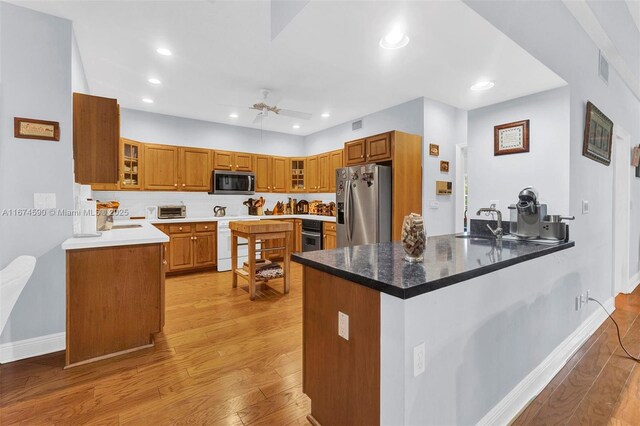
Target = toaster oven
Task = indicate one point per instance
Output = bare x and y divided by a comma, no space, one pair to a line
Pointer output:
172,212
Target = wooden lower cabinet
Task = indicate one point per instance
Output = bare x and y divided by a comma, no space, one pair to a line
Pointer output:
192,246
115,300
341,377
329,239
297,236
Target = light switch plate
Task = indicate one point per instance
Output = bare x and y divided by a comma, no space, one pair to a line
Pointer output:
434,204
343,325
46,200
418,359
585,207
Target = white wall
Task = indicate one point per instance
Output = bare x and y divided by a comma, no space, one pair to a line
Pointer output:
79,81
445,126
170,130
545,166
36,83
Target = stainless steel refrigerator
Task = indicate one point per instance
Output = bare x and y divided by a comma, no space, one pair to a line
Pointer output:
363,199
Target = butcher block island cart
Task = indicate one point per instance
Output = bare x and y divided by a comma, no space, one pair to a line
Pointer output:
115,292
260,231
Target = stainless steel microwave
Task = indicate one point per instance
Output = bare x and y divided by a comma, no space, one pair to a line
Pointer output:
223,182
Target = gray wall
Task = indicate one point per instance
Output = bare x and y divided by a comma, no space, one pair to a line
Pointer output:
36,83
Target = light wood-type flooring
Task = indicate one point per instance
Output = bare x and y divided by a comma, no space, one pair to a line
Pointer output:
598,385
225,360
221,359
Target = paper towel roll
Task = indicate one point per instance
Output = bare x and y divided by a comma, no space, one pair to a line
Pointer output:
88,223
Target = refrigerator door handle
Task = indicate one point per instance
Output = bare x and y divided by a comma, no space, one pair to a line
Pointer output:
347,210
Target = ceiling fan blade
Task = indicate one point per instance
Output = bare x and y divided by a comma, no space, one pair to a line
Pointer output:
295,114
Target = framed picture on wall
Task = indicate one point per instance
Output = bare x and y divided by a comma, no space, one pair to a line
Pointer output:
511,138
444,166
598,135
434,150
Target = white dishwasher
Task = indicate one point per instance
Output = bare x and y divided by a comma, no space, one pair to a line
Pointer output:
224,246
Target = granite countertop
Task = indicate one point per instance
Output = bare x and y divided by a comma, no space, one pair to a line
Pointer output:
244,217
447,260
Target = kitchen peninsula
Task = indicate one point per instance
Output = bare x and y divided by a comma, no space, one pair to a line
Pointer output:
422,340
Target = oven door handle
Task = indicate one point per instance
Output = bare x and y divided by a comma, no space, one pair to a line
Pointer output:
311,234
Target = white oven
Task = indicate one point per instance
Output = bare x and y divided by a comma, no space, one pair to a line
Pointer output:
224,246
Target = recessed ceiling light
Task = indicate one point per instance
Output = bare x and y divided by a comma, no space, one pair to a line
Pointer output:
163,51
296,126
483,85
233,115
325,115
154,81
394,40
147,100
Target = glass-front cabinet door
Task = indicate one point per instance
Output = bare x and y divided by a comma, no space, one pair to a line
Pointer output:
130,164
297,168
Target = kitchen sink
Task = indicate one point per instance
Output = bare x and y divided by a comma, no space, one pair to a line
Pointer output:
133,225
476,237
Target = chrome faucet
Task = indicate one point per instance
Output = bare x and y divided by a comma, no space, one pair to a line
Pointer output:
498,231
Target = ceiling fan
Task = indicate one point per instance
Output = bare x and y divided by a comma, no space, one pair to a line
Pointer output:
264,109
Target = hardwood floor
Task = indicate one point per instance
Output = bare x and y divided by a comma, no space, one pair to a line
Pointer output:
225,360
599,385
221,359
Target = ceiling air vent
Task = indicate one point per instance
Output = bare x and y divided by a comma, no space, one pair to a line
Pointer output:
356,125
603,67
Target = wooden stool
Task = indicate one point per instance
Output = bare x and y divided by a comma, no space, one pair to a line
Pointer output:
256,231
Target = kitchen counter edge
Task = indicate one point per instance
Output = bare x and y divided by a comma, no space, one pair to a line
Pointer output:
146,234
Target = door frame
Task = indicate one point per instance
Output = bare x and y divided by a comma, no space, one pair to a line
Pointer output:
459,189
621,159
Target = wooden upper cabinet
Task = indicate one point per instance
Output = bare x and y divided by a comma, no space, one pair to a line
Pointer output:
161,167
312,174
131,155
96,138
263,173
279,174
236,161
378,147
298,170
243,162
223,160
324,165
195,169
355,152
335,162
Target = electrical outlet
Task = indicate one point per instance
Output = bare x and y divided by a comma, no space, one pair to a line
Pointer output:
343,325
585,207
588,296
418,359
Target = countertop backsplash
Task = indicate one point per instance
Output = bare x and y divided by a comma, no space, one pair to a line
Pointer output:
198,204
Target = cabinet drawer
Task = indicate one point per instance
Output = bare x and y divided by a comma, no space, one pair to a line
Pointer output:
329,226
205,227
179,228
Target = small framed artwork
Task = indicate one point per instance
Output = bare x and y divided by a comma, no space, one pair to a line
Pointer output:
444,187
598,135
444,166
434,150
511,138
29,128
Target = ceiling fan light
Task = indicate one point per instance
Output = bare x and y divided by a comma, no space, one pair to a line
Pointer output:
325,115
153,80
233,115
147,100
296,126
163,51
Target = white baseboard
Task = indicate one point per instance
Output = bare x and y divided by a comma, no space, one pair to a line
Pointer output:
516,400
13,351
633,282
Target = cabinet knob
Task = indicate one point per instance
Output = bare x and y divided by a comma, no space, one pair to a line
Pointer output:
362,156
237,166
268,187
206,227
180,228
230,165
175,184
195,238
184,184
